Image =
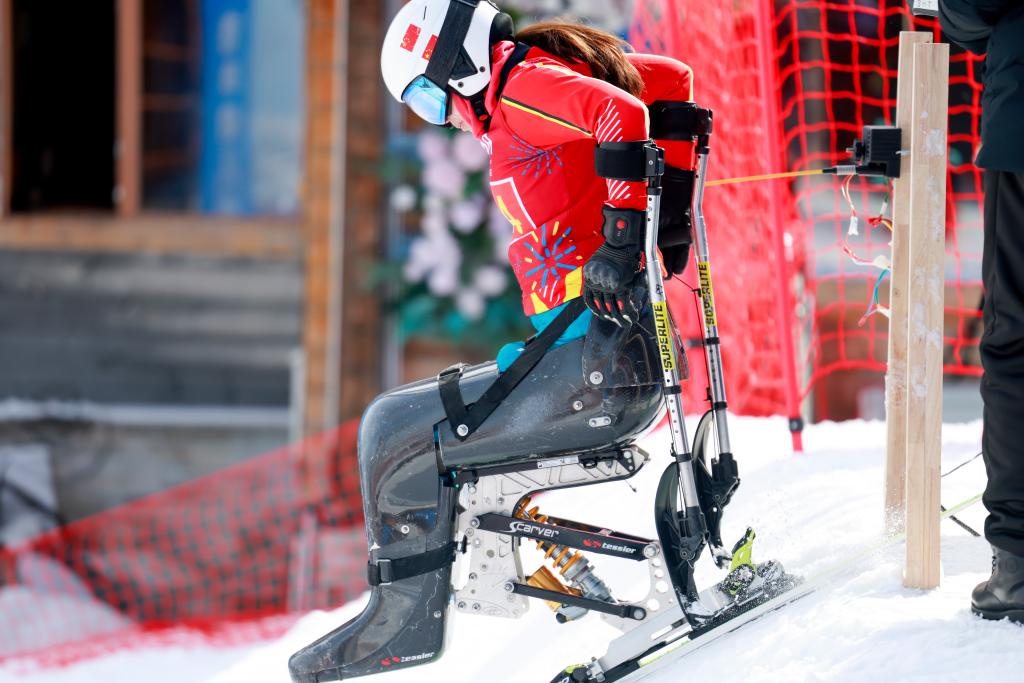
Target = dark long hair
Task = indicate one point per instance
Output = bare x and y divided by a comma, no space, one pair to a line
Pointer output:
599,50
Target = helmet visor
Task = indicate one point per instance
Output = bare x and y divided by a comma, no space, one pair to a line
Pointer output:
429,101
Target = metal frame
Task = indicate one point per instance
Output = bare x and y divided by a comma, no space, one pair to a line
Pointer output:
716,374
492,563
671,377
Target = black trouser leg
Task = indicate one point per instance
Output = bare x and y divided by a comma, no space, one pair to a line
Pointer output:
1002,355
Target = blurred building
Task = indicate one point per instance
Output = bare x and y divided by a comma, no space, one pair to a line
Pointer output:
190,201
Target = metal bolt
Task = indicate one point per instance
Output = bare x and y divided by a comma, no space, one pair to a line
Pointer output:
509,587
472,488
472,576
462,430
404,528
437,614
596,378
476,606
462,605
475,523
639,614
577,405
650,551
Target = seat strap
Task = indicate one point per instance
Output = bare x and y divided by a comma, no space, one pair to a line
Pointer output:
385,571
466,420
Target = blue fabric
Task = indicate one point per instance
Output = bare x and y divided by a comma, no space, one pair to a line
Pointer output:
509,352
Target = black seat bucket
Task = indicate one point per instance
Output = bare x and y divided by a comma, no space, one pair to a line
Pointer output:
407,452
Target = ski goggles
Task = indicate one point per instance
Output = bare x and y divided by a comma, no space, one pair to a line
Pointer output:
430,102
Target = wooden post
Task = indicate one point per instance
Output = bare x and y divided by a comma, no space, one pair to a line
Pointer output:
323,207
6,105
928,163
127,196
899,283
342,209
361,322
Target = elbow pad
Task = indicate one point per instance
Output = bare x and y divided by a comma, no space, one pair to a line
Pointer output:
624,228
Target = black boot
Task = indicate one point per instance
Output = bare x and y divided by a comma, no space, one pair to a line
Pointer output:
1002,596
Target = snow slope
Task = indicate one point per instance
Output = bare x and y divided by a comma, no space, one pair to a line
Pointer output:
807,510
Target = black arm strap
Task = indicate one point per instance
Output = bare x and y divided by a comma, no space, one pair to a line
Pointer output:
634,161
385,571
466,420
621,160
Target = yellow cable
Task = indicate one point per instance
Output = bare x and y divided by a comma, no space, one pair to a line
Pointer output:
768,176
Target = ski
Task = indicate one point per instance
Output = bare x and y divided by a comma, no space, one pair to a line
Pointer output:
667,653
673,652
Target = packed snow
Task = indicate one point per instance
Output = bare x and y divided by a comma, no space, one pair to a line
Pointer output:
808,511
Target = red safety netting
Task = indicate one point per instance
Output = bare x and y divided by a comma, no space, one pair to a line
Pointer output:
221,557
829,68
722,42
835,66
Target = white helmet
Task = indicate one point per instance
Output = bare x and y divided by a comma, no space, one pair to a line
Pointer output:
435,46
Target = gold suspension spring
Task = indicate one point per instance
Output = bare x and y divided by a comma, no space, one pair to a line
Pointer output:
562,557
571,564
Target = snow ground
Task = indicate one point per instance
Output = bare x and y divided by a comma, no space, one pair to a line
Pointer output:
807,510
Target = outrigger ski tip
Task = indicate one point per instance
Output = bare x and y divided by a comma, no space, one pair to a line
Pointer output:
747,587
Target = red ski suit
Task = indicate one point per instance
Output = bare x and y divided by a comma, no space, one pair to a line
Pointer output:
541,141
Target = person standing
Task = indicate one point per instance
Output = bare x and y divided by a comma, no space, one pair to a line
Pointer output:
996,28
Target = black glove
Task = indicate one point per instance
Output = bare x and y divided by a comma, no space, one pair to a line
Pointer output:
675,224
675,258
608,283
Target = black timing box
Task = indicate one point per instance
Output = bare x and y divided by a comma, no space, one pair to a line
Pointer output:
878,154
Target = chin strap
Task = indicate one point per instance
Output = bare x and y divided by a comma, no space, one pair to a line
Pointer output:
480,109
478,101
